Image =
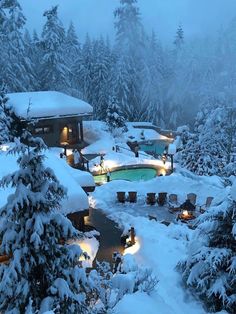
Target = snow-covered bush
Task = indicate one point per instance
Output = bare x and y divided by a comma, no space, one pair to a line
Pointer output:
210,268
110,287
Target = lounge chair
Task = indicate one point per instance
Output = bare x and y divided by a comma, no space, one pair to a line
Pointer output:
192,197
121,197
174,205
204,207
151,198
132,196
162,197
150,217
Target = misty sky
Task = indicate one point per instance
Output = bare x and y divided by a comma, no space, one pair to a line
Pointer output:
96,16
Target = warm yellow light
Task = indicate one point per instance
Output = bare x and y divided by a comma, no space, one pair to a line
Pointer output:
163,172
134,248
4,147
185,213
108,164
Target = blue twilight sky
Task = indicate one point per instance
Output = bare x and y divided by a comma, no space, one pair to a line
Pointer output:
198,17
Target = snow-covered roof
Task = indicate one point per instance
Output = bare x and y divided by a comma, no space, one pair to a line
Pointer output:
48,104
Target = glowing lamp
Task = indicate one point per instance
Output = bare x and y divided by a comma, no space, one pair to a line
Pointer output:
185,213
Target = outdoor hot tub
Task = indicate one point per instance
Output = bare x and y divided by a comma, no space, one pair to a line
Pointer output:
129,174
154,146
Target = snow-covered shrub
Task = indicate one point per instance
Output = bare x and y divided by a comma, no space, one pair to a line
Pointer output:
210,268
110,287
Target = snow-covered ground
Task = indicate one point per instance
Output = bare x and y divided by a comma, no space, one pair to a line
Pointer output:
158,247
101,141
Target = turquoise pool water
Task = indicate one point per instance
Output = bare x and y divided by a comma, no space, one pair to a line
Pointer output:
156,147
134,174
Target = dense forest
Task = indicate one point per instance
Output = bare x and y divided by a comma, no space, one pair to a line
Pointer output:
151,82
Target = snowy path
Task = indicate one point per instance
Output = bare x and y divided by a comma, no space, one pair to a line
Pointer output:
110,235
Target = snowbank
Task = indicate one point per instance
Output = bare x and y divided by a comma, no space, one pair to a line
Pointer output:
134,133
126,158
97,136
76,199
83,178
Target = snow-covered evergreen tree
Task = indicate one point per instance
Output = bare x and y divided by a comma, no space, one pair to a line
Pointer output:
43,272
10,124
179,38
130,47
83,71
54,69
210,268
114,117
72,46
16,68
205,151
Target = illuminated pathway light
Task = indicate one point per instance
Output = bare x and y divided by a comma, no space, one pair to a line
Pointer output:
134,248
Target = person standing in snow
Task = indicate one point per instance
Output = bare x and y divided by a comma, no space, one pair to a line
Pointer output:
136,148
102,163
76,156
108,176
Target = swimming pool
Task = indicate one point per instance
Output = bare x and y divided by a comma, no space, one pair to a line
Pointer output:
131,174
157,146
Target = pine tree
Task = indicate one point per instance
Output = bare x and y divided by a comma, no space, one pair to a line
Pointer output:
72,46
209,270
100,78
204,153
129,29
54,70
130,47
114,118
10,124
43,272
179,38
16,68
83,71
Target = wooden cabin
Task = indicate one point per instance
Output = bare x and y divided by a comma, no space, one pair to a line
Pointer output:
59,117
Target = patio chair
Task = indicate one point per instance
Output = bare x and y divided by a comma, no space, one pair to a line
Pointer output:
150,217
151,198
164,222
132,196
204,207
173,203
192,197
162,197
121,197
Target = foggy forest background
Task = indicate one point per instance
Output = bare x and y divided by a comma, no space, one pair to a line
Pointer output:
165,85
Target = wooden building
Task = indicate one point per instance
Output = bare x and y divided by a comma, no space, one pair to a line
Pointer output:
59,117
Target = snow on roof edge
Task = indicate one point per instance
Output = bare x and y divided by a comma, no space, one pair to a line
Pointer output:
48,104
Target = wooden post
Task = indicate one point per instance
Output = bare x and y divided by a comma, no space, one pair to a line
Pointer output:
172,163
132,236
81,131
